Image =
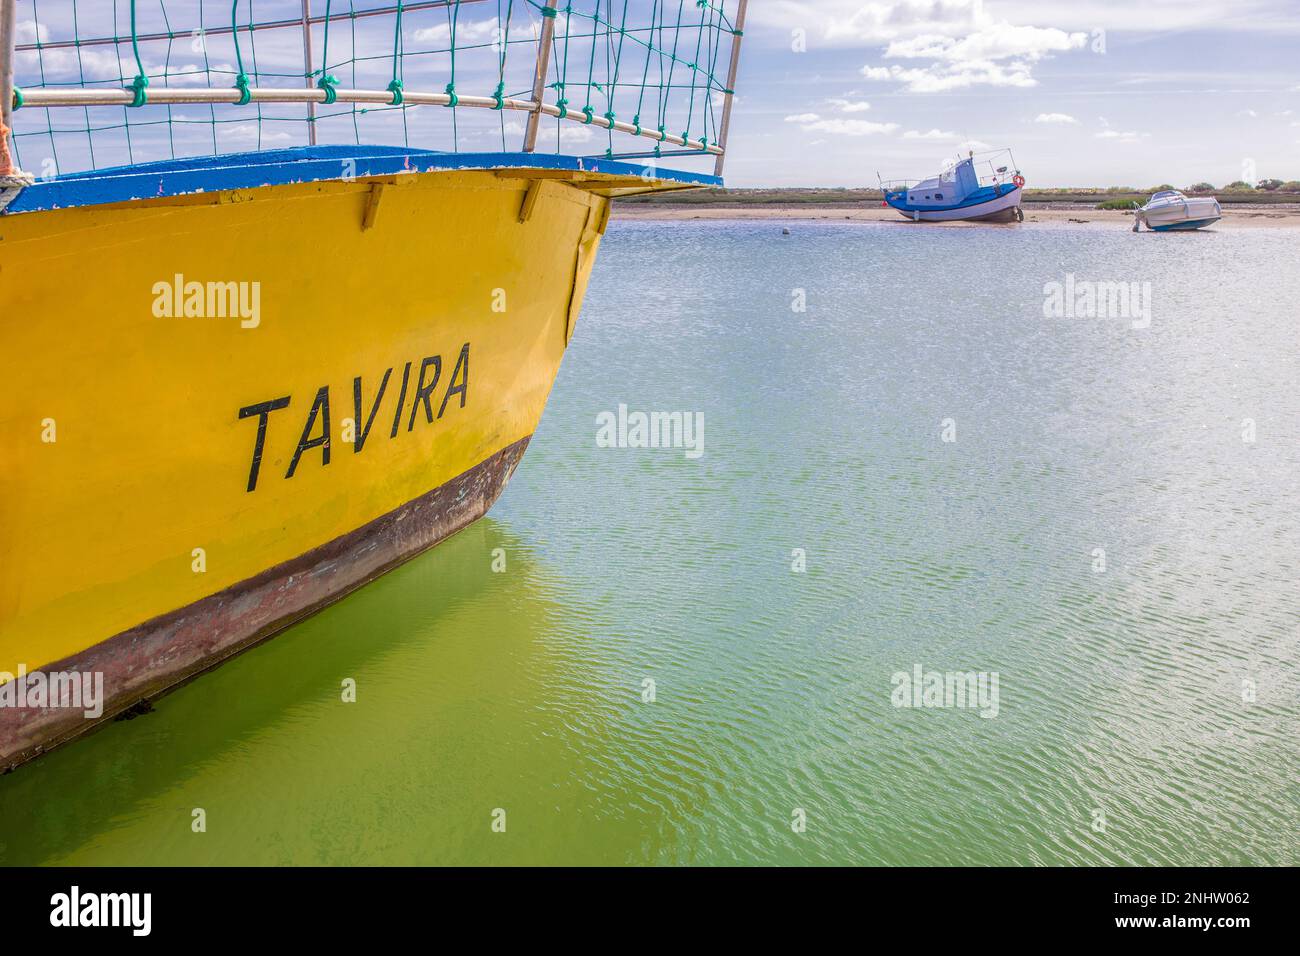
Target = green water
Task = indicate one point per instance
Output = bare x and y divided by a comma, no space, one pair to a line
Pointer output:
1120,691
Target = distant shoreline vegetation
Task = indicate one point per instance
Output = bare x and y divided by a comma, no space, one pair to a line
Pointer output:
1268,191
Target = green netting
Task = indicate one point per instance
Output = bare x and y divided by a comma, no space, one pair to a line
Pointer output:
659,65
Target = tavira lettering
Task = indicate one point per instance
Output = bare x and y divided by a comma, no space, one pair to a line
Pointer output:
316,429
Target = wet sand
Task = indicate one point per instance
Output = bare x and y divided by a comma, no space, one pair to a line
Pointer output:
1245,217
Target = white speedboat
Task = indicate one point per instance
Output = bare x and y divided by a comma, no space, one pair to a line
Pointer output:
962,191
1171,210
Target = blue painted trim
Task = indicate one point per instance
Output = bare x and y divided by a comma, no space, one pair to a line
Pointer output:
302,164
982,195
1188,224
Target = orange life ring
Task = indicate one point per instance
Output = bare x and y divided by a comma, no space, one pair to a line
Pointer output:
1018,180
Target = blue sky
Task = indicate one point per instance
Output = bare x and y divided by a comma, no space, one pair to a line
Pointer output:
1137,92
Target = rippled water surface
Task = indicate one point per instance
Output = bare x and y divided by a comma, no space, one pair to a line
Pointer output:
1148,713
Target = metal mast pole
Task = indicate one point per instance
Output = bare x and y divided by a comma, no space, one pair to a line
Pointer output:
8,35
539,79
737,33
307,69
11,177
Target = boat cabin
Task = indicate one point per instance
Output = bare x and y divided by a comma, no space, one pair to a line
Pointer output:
947,189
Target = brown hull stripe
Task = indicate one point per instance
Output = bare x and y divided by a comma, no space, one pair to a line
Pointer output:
170,649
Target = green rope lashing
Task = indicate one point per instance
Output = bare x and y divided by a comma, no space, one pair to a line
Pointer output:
613,77
645,73
141,81
587,110
395,87
18,98
329,84
138,87
499,94
453,19
241,80
548,12
693,66
636,123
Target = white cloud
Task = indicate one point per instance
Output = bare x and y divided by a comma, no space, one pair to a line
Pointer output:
997,41
1121,136
941,77
966,45
850,106
944,136
1171,16
812,122
850,127
29,31
939,134
250,132
994,54
854,22
574,133
1058,119
193,73
65,65
571,134
467,31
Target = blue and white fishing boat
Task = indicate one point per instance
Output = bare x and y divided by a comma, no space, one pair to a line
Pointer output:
986,188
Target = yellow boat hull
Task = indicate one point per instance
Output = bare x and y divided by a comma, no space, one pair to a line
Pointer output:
178,484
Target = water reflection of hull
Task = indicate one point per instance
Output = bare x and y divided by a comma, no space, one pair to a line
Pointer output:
445,653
